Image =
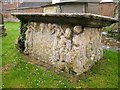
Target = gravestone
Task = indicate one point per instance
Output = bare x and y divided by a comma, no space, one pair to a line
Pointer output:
2,29
69,42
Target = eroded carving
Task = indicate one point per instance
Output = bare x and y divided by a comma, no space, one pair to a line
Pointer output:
77,29
70,50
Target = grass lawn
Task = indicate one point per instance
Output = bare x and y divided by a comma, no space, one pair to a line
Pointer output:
19,73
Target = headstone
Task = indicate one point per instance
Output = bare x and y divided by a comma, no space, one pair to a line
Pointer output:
2,29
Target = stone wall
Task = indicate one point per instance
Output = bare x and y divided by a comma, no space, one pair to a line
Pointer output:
30,10
107,9
52,9
93,8
9,18
67,7
68,46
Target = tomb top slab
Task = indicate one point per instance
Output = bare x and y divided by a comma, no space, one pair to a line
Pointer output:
83,19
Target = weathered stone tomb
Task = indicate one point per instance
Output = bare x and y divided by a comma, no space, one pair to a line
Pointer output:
68,42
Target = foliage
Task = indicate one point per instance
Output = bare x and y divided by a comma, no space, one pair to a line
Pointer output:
23,74
22,37
111,32
109,28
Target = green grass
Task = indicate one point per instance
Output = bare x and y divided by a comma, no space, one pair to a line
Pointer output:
22,74
104,74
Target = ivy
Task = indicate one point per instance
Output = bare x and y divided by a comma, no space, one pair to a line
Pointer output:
22,37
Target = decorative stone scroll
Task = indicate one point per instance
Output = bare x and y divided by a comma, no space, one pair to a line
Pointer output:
69,42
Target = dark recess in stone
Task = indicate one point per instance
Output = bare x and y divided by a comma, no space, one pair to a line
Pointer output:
22,37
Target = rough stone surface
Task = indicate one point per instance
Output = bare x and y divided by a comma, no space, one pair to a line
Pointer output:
70,46
65,48
83,19
77,29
